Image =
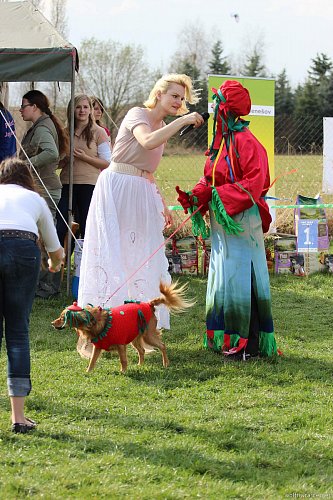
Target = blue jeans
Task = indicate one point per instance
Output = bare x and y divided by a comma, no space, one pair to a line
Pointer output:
19,270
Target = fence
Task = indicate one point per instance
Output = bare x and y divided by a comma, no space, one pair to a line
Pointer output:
298,146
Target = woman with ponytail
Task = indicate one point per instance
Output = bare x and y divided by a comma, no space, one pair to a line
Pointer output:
44,144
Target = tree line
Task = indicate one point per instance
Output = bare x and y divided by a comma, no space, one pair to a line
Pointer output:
121,77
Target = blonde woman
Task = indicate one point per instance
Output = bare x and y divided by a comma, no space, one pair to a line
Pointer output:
127,213
91,155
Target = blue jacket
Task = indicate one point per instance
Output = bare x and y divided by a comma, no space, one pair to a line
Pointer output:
7,139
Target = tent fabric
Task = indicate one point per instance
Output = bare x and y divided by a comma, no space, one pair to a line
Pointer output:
31,49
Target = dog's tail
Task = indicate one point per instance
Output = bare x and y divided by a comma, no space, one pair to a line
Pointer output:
173,297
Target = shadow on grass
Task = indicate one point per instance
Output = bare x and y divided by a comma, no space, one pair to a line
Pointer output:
205,366
245,454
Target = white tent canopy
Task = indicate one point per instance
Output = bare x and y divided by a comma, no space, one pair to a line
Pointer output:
32,50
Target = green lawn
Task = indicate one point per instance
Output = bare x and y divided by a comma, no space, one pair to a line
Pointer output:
202,428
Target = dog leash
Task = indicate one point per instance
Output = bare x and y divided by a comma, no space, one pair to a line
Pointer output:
152,255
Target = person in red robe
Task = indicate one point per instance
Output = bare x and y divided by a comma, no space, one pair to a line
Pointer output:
233,188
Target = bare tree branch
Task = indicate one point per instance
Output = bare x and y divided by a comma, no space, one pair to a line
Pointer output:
114,72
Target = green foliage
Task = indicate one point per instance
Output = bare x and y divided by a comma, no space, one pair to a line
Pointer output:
120,76
307,100
218,64
320,69
254,65
304,107
312,98
284,99
202,428
188,67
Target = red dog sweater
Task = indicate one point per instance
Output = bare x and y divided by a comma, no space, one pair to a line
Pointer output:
124,324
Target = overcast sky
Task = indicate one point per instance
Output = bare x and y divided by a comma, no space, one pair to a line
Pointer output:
293,31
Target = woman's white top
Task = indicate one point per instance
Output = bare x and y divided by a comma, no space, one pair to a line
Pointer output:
26,210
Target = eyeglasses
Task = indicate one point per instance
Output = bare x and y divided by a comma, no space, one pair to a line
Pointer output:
25,106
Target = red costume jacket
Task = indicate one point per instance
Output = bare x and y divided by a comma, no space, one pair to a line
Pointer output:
126,322
250,170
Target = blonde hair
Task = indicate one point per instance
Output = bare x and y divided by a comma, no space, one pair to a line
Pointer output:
163,84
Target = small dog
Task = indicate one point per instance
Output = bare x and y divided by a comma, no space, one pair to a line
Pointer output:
131,323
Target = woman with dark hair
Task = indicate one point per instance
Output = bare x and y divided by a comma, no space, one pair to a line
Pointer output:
99,112
91,155
44,144
23,215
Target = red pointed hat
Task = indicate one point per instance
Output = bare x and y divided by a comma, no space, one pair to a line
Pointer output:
237,97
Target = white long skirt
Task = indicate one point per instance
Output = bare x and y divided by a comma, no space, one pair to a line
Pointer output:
124,228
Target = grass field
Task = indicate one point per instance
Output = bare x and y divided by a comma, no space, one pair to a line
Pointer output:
203,428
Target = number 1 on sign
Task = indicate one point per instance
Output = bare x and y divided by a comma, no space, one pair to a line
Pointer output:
307,238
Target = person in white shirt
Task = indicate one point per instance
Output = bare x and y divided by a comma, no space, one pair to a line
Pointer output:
24,215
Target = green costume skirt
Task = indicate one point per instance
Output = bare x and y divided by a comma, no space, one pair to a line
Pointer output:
237,265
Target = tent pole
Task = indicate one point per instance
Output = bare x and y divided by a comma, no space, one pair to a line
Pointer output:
70,188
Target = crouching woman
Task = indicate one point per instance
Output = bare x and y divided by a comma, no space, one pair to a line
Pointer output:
24,215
